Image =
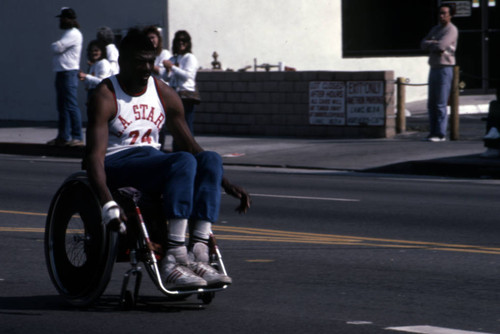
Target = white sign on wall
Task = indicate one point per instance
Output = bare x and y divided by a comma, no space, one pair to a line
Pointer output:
351,103
462,8
326,103
365,103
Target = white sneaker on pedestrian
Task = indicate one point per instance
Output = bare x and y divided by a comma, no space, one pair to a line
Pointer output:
435,139
492,134
199,264
176,273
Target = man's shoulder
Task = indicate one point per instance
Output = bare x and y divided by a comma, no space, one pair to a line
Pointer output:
105,88
73,33
102,101
162,87
448,26
166,93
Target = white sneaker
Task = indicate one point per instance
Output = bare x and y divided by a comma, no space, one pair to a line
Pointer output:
435,139
492,134
176,273
199,264
490,153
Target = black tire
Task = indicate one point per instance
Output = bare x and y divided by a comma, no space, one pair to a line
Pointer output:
128,301
207,297
80,252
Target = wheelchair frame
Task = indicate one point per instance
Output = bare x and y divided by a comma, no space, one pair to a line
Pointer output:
80,250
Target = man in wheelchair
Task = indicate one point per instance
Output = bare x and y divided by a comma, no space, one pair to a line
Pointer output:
125,116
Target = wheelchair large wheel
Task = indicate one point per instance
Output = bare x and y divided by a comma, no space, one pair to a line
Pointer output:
80,251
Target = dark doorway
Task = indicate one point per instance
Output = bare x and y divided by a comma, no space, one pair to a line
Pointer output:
478,51
388,28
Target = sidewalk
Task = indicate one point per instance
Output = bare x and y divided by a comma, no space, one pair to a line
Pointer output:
407,153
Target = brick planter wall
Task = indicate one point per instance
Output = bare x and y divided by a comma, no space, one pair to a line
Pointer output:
277,104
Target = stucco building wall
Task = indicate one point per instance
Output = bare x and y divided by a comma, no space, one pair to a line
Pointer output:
302,34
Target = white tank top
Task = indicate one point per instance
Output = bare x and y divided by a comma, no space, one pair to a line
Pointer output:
138,119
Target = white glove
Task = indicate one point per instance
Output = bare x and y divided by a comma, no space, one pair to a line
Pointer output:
111,211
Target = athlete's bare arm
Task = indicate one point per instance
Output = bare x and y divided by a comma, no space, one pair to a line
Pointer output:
101,109
179,129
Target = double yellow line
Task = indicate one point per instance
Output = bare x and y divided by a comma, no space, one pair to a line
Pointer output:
268,235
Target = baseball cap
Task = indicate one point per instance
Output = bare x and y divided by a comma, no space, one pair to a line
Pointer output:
68,13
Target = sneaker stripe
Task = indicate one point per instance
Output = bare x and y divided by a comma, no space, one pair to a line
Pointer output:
210,274
201,272
174,275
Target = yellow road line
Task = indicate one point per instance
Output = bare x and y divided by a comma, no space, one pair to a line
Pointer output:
316,236
23,213
22,229
308,197
269,235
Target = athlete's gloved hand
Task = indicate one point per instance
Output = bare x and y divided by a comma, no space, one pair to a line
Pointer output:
111,215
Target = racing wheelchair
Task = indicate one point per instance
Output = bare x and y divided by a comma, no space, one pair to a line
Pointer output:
80,250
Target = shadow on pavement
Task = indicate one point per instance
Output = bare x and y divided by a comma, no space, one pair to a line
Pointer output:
465,166
29,305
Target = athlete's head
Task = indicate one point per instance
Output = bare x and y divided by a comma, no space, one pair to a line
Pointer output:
135,41
137,56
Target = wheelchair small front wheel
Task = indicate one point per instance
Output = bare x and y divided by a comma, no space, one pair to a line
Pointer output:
80,252
207,297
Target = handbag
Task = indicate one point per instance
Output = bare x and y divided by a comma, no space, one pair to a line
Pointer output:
188,95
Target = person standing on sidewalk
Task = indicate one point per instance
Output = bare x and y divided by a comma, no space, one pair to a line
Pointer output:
99,69
182,69
441,42
66,64
162,54
107,36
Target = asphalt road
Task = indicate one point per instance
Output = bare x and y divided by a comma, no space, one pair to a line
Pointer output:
317,253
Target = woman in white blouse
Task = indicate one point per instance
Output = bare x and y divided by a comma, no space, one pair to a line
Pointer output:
159,70
99,69
182,68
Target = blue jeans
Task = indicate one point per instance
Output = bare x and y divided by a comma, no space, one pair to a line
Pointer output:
190,184
440,79
70,118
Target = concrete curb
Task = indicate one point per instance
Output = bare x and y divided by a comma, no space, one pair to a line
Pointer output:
467,166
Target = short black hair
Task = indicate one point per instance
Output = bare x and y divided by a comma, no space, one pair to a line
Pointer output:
101,47
135,41
452,8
